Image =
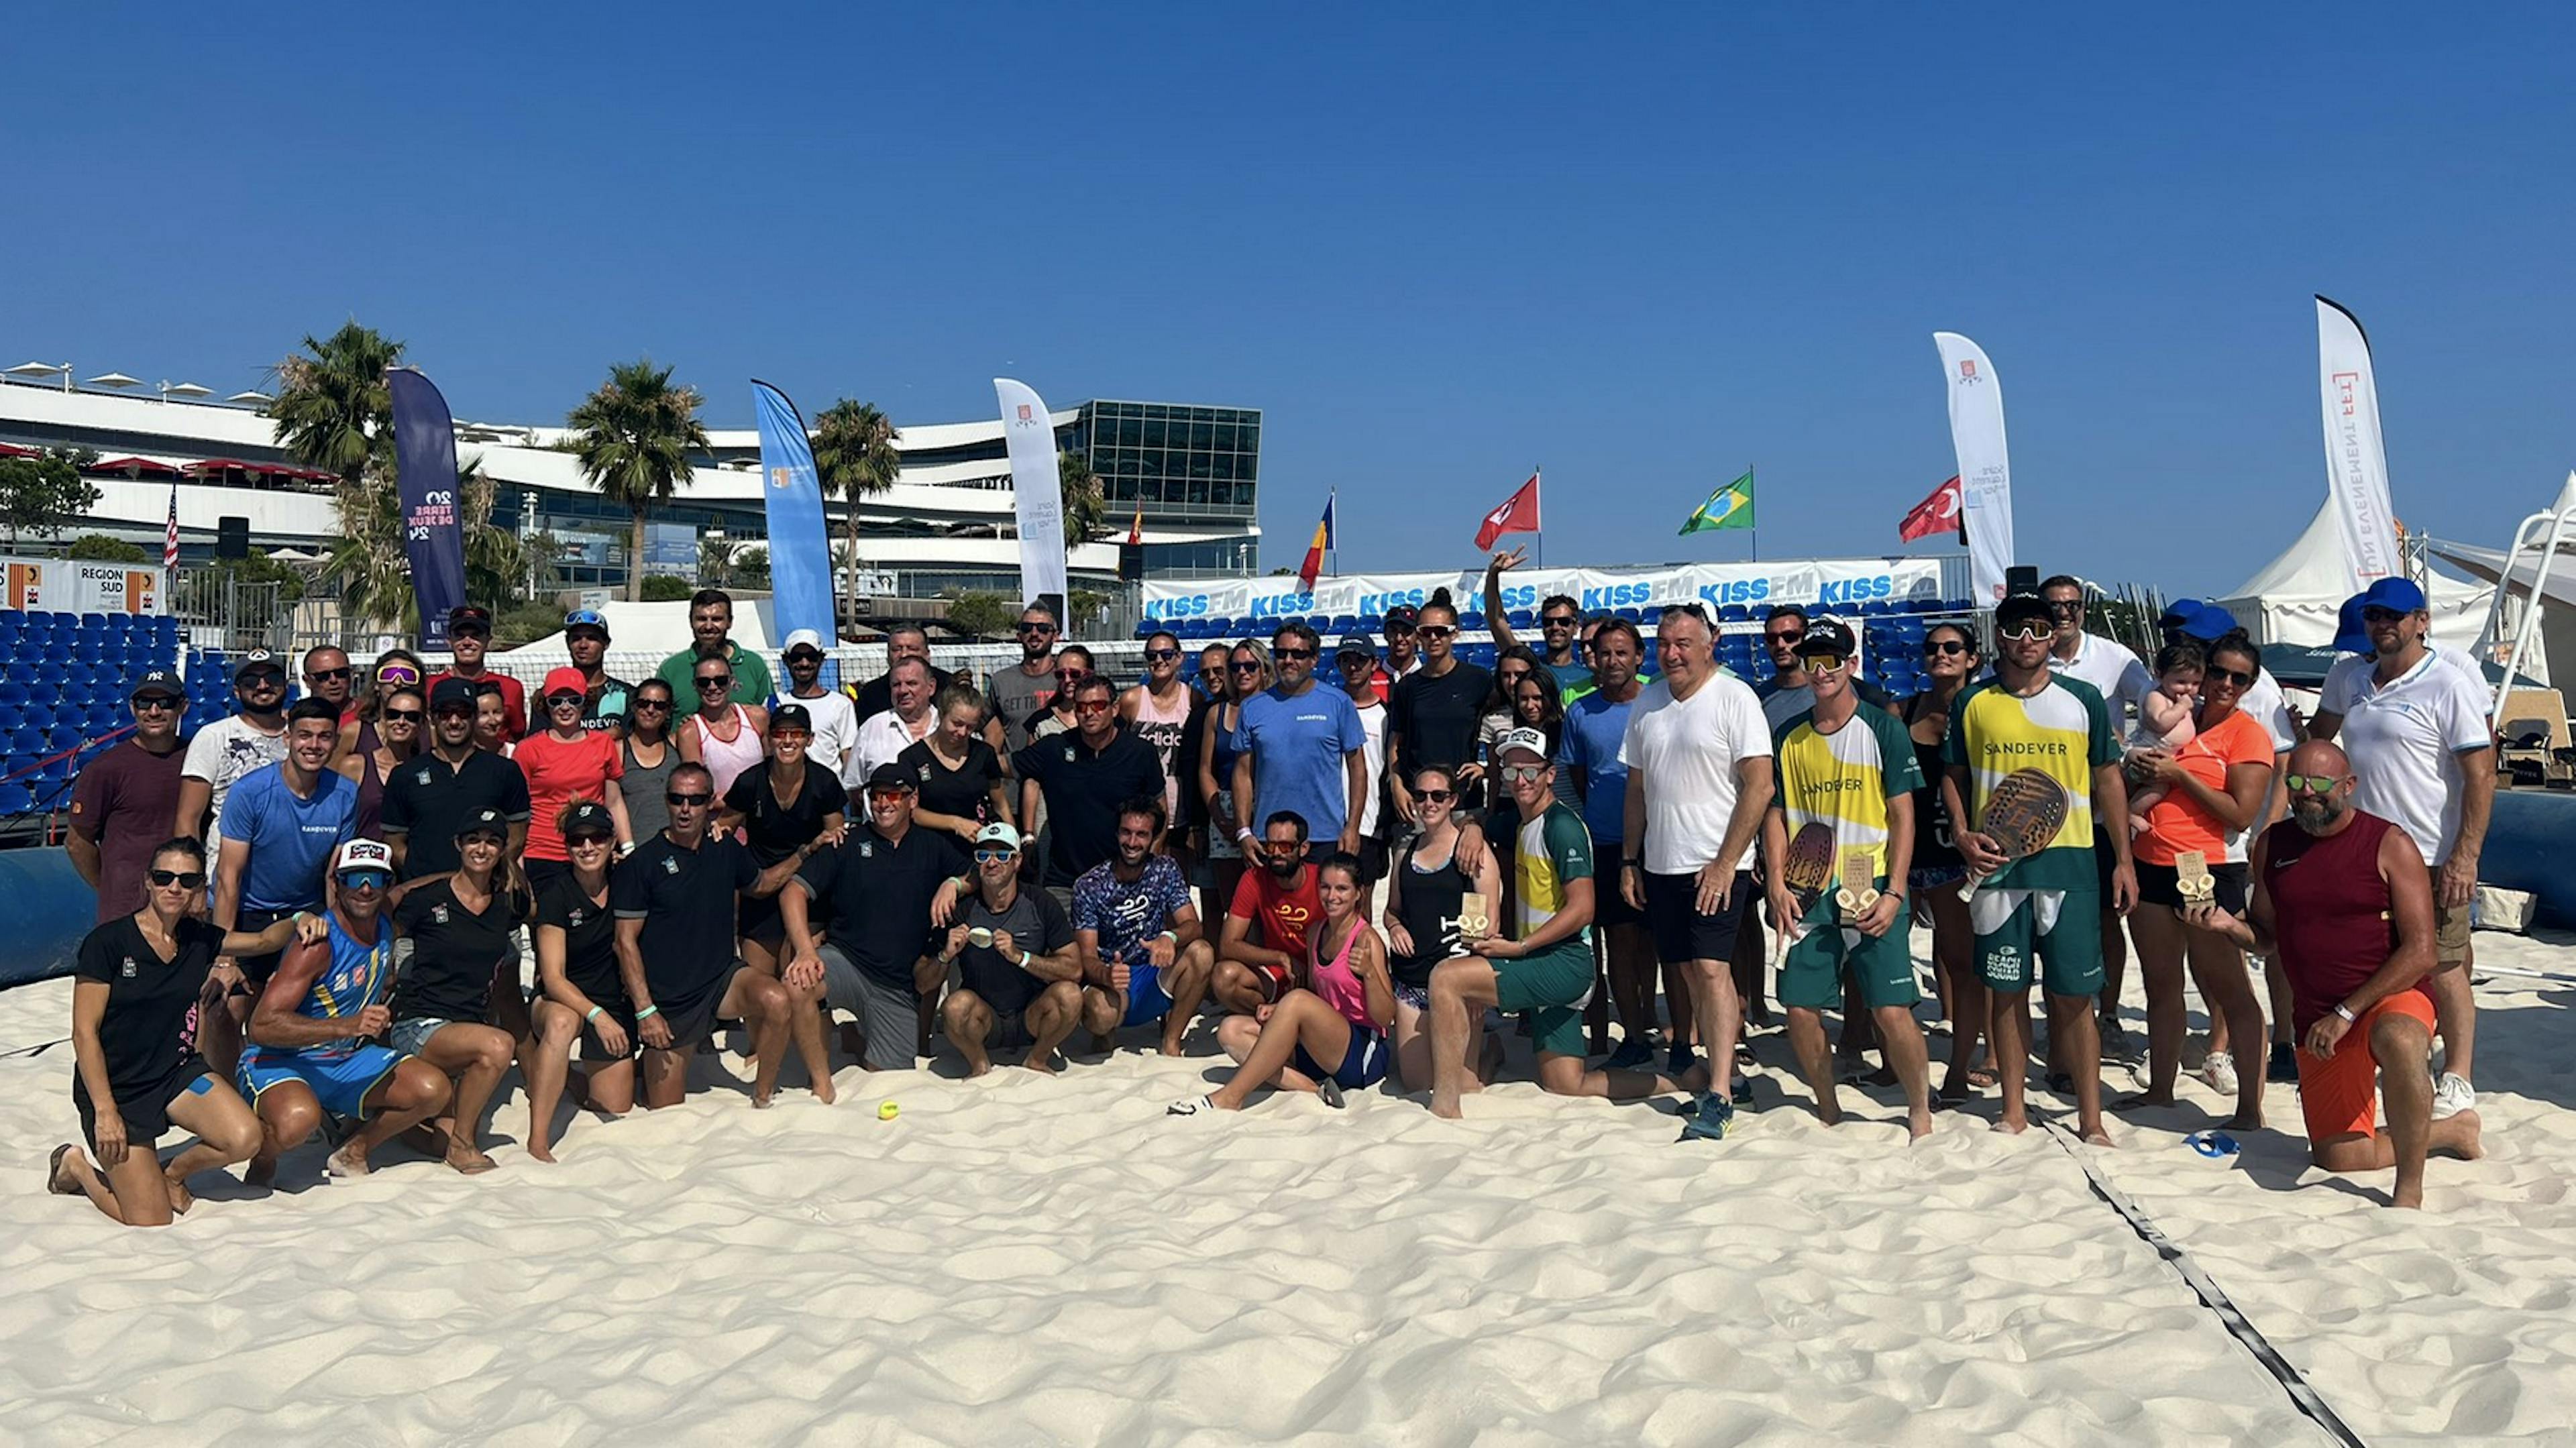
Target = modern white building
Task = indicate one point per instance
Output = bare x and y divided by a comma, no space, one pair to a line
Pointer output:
947,523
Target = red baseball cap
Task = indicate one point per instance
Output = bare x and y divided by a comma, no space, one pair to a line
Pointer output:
564,681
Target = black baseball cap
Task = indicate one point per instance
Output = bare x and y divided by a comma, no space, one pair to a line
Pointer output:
1355,643
586,818
473,613
164,682
2019,606
890,776
255,661
791,716
451,691
1829,636
487,821
1403,615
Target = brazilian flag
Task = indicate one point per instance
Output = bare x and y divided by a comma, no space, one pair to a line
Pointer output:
1729,507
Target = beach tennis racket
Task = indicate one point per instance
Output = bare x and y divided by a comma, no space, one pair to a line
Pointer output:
2025,812
1804,872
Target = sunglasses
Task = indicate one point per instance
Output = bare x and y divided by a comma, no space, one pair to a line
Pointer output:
155,704
585,841
1562,620
713,682
689,801
2237,677
365,879
789,734
1241,667
1399,630
888,795
2312,783
2026,631
1162,656
184,879
2066,607
1787,636
324,676
452,712
662,704
397,674
1437,631
1934,647
468,631
1821,663
2382,615
988,856
263,679
1522,773
401,716
562,701
1284,653
1033,628
1091,706
1071,676
805,656
1435,796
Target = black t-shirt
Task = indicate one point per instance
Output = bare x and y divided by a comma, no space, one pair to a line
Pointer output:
425,801
590,939
686,900
965,792
151,1021
453,951
877,695
1083,790
1185,764
872,896
1037,925
606,703
1436,719
773,830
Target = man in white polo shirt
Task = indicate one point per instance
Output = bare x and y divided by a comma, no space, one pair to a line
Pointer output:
2423,756
2121,678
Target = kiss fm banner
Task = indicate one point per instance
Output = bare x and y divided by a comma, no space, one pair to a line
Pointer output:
1826,583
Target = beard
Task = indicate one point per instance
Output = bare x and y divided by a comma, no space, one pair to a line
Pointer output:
2316,816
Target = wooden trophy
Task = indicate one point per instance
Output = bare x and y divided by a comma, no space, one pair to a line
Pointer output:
1858,893
1475,916
2192,879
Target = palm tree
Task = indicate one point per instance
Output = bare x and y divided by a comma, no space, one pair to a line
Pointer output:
854,458
637,432
332,409
1086,509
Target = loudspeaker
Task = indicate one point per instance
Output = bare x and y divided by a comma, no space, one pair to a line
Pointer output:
232,537
2021,578
1131,562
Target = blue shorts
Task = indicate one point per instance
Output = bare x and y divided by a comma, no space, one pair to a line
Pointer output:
1364,1061
1147,1001
340,1083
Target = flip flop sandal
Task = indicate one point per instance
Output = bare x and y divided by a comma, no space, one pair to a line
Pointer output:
1331,1091
1191,1106
54,1181
2212,1144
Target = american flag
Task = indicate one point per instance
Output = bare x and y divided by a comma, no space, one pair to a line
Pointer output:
170,535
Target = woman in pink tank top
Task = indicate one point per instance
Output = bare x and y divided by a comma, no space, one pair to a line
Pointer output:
1332,1035
721,734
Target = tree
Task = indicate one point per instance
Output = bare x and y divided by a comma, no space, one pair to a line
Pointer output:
372,556
1086,509
41,494
751,567
333,410
636,434
663,588
854,458
983,612
715,560
100,548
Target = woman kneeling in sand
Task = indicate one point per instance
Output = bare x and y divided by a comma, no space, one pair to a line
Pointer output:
1331,1038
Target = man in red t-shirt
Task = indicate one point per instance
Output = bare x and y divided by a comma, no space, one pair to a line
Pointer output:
469,634
1263,950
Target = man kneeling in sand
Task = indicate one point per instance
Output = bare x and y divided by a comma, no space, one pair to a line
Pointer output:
1548,971
2344,906
1015,952
310,1030
1144,957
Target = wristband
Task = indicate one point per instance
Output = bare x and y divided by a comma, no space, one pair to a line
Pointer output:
1024,960
647,1014
1173,936
1243,832
2345,1011
592,1015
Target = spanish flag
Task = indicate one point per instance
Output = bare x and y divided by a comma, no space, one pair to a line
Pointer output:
1315,551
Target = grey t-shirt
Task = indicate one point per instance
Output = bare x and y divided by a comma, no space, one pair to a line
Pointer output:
1037,925
1016,696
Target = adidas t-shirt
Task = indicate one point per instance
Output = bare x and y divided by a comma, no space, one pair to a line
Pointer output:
1845,779
2063,731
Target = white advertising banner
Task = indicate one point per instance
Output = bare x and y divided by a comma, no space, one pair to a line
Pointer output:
1031,437
61,585
1985,472
1827,584
2356,463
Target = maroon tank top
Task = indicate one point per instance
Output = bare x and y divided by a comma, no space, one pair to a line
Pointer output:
2331,911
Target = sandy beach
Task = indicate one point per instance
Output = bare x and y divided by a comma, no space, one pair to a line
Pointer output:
1021,1259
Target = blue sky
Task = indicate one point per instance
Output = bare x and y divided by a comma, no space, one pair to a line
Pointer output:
1436,245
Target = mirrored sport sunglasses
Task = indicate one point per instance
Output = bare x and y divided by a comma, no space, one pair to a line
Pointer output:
397,674
2026,630
590,837
365,879
184,879
2312,783
989,853
1428,630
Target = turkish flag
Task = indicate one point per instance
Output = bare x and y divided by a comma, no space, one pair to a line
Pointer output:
1938,513
1518,514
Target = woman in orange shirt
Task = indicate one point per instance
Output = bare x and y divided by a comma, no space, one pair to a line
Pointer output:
2215,784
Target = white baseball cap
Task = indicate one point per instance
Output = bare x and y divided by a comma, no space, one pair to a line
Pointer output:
999,833
363,855
1526,741
804,636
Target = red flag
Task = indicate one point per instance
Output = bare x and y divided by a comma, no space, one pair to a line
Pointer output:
1518,514
1938,513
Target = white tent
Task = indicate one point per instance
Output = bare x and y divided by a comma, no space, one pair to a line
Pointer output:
662,629
2294,598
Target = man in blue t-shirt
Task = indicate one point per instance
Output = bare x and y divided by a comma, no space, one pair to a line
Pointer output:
1588,749
279,827
1300,749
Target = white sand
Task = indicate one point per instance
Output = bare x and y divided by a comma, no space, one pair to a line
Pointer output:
1021,1259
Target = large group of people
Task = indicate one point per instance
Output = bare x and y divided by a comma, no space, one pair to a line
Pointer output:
312,916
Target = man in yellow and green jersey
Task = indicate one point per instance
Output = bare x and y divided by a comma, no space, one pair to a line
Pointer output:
1848,766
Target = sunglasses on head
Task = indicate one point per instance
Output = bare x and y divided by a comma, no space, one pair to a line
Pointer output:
184,879
1162,656
2311,783
1932,647
324,676
365,879
689,801
401,716
709,683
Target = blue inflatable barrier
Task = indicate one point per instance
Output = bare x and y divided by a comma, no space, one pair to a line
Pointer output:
49,909
2527,842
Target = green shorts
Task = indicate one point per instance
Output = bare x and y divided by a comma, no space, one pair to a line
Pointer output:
1811,975
1553,986
2061,929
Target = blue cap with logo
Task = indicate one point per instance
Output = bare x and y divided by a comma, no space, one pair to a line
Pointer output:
2397,595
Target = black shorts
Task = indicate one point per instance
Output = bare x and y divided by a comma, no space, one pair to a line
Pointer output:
695,1026
146,1111
2159,885
1681,932
255,969
613,1006
2105,860
1609,905
758,919
1372,855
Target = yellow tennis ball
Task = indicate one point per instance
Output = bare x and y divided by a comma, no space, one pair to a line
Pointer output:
885,1111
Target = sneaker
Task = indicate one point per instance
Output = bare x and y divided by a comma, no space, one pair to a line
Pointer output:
1710,1121
1742,1091
2452,1096
1191,1106
2219,1071
2284,1065
1683,1058
1633,1052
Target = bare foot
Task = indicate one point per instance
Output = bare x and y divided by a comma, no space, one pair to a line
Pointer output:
1444,1105
2475,1145
2144,1100
978,1068
824,1090
350,1161
1918,1126
1830,1113
1171,1045
181,1199
2099,1137
1044,1065
2243,1121
539,1151
760,1100
470,1161
2011,1127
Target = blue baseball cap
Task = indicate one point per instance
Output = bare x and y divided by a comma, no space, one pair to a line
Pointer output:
2208,623
2178,613
2397,595
2350,637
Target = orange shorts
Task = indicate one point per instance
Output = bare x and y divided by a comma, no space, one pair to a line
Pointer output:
2340,1094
